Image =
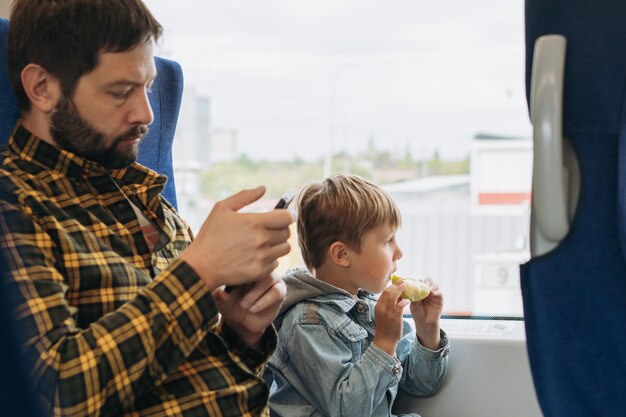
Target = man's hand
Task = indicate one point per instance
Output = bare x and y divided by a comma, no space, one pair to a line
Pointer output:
249,309
238,248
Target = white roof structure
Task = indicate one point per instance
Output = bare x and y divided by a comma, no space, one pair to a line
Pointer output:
427,184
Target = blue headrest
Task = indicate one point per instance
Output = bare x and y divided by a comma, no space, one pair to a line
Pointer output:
8,102
155,151
595,62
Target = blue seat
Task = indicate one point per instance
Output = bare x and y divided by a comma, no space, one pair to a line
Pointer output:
16,393
155,151
575,295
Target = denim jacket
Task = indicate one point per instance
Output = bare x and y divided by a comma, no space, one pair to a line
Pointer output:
326,364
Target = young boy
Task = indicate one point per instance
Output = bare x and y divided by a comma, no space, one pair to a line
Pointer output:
340,351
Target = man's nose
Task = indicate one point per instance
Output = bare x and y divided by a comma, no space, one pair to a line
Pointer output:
141,112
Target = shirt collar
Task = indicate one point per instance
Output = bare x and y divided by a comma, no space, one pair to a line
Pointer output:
343,302
34,149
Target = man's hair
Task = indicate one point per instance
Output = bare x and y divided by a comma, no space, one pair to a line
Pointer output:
66,37
341,208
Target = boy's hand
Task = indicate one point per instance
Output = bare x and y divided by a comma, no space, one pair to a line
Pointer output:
427,314
249,309
389,310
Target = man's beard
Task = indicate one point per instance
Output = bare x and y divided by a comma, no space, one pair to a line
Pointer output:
73,133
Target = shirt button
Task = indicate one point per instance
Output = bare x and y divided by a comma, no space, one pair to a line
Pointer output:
396,369
360,308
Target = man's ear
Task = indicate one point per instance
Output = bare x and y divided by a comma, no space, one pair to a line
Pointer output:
42,89
339,254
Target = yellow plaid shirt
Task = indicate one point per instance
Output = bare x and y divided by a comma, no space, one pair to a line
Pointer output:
109,327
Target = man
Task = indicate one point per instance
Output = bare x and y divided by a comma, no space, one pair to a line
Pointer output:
118,306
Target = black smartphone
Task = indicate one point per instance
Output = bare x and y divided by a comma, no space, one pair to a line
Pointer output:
283,203
285,200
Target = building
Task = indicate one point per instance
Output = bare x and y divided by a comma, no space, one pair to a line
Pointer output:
224,145
193,131
470,232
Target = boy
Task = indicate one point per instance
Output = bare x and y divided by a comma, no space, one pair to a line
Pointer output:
332,358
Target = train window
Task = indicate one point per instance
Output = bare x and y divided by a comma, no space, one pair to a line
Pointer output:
423,97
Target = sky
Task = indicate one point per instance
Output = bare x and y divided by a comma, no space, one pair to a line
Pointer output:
306,78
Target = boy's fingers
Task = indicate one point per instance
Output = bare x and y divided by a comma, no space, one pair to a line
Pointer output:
390,296
396,290
432,284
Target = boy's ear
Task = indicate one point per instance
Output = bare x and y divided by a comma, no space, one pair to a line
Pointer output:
42,89
339,254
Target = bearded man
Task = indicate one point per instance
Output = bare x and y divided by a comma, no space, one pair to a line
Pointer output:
122,311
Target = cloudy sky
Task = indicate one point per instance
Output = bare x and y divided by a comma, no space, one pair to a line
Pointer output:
302,77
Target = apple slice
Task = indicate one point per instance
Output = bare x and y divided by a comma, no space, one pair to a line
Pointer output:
414,290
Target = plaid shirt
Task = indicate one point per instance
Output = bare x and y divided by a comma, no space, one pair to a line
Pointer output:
111,328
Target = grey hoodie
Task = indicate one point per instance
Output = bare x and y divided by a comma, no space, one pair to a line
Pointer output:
301,285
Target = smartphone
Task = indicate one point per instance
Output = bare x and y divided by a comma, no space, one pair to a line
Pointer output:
285,200
283,203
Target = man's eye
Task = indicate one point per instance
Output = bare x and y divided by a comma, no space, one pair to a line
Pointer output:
120,95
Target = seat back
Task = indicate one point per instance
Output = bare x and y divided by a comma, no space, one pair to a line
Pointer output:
17,395
8,103
155,151
575,295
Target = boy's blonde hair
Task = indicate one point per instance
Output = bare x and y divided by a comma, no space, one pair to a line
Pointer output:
340,208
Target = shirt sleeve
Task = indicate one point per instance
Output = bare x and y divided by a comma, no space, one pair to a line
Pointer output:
252,359
101,368
424,369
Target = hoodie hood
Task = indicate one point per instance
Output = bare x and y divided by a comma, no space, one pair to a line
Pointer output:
301,285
